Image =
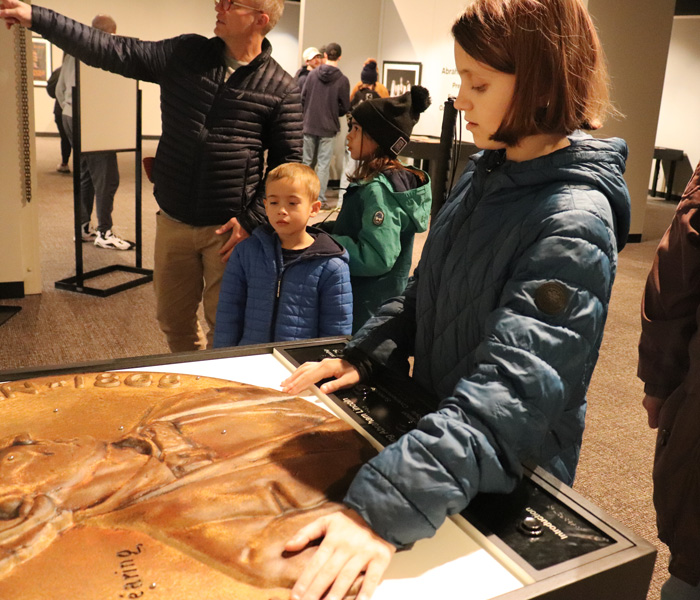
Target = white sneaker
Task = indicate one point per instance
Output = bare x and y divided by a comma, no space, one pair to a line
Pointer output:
63,168
110,241
87,232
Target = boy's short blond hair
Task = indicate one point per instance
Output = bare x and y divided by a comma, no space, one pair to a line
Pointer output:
300,173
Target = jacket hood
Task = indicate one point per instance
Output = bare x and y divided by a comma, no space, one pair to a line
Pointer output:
324,246
413,197
599,163
329,73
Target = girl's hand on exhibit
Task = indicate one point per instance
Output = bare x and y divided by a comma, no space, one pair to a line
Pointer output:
15,13
350,549
345,375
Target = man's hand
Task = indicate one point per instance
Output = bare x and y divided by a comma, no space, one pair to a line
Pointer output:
653,406
349,549
238,234
15,12
310,372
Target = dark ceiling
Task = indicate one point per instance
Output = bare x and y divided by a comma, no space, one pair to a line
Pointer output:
687,7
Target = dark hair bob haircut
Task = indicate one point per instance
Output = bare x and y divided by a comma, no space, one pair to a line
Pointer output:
552,48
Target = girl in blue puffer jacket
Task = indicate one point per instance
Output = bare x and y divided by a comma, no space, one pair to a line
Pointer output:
504,315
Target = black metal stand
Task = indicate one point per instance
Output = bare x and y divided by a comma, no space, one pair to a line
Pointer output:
444,159
671,155
7,312
77,282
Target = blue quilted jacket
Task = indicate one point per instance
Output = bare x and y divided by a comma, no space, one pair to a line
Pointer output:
504,316
262,300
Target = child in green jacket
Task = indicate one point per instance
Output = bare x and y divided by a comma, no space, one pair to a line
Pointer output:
386,203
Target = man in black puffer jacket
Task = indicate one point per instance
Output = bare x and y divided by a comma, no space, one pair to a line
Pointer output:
224,103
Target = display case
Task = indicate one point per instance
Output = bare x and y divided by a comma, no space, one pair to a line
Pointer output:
542,541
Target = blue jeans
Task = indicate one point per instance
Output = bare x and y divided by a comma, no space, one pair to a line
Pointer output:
320,149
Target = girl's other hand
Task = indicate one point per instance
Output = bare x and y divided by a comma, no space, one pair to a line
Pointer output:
349,549
311,372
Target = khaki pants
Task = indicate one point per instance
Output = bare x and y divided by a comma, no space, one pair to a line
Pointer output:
187,271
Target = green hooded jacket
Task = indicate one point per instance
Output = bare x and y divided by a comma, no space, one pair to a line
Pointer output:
377,224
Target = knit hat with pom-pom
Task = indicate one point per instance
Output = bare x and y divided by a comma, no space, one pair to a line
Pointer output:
390,121
369,72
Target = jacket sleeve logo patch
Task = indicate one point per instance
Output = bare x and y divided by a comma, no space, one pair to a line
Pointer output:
378,218
551,298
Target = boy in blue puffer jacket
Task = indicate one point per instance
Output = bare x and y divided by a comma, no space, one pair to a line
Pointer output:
288,281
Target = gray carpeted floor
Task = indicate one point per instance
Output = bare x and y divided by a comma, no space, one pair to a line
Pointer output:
60,327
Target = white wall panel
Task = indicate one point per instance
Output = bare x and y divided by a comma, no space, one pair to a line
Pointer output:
679,125
356,27
635,35
415,30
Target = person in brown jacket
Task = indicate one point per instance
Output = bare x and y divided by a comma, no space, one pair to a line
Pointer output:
669,365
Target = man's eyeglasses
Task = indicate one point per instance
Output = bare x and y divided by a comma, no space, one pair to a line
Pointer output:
227,4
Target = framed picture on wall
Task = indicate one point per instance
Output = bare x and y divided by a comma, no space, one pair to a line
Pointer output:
399,76
42,66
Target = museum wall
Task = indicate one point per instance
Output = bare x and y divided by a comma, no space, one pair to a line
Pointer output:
155,20
356,27
635,35
419,30
679,121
